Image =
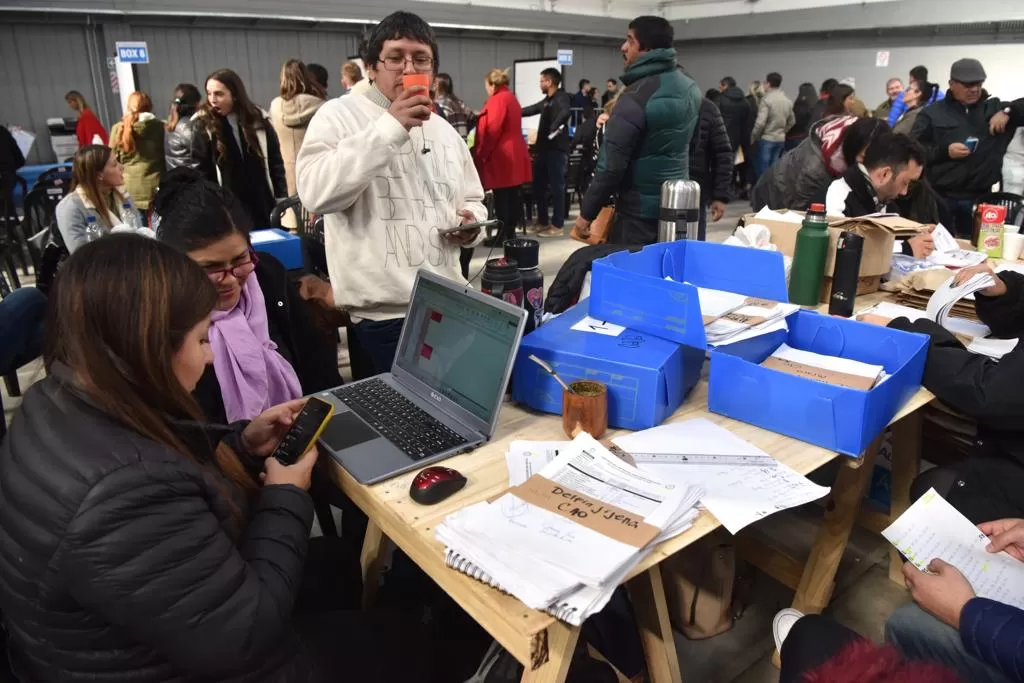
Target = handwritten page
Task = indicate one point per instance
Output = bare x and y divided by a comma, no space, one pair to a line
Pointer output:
526,458
932,528
737,495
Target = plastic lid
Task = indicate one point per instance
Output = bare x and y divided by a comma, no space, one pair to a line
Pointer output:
524,252
818,208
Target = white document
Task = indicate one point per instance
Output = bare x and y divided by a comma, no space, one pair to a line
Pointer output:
835,363
943,239
933,529
1011,267
993,348
736,495
23,139
756,331
715,303
588,324
968,328
767,214
945,296
264,236
526,458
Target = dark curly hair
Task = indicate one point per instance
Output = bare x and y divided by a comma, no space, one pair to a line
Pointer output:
195,213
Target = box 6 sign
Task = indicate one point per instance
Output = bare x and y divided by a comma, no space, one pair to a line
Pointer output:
132,53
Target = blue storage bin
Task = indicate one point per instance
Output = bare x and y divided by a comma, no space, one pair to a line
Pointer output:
647,377
838,418
281,244
629,288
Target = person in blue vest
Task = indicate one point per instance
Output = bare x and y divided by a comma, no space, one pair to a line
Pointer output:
919,74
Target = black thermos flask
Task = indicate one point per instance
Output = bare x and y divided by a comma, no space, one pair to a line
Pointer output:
844,277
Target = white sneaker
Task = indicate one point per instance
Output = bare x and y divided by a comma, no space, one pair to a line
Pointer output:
783,623
552,232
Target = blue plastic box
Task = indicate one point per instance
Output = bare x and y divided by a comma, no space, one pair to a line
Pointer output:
630,289
838,418
647,377
286,248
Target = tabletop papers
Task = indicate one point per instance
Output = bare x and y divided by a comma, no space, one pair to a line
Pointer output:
563,539
931,529
737,495
730,317
949,253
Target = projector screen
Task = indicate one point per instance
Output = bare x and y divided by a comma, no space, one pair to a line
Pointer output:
526,84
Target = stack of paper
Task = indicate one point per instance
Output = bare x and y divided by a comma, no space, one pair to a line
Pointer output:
993,348
729,317
942,302
737,495
933,529
821,368
949,253
967,330
566,537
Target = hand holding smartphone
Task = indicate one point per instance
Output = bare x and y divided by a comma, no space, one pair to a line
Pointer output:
304,432
468,226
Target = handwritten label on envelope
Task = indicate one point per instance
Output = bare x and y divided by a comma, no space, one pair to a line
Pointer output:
608,520
842,379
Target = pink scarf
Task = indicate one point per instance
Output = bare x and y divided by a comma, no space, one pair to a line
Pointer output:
252,375
832,132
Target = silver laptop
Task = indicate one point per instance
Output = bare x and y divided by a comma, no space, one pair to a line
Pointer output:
444,390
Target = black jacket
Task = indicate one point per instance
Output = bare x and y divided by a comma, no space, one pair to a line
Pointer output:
120,560
941,124
975,385
243,170
565,289
736,115
312,351
711,154
11,158
554,116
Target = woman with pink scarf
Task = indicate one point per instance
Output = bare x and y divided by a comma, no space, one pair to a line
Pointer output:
266,347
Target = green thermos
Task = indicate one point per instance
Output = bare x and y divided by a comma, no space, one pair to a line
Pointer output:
809,258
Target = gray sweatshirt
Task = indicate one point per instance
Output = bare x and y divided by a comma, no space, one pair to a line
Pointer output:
72,219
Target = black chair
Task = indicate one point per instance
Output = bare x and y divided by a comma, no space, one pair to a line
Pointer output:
573,180
294,204
8,283
54,177
40,212
1014,204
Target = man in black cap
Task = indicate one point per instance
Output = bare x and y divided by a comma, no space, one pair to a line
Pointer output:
966,136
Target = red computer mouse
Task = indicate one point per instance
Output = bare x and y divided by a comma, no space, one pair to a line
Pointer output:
434,484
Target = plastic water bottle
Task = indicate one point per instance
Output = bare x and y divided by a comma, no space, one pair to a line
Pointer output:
93,231
130,217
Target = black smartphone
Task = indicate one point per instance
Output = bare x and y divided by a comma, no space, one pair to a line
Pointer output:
469,226
304,431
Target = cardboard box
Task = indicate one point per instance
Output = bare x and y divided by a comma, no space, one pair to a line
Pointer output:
281,244
879,235
647,377
631,289
833,417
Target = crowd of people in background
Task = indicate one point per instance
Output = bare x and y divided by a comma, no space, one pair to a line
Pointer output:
170,418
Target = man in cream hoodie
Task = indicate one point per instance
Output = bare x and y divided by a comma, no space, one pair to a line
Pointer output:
388,176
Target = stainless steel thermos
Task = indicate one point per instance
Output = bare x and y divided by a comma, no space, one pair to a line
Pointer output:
680,210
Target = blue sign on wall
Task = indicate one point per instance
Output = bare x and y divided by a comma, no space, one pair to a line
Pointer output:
133,53
565,57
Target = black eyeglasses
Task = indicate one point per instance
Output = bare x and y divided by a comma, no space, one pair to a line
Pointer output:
420,63
238,271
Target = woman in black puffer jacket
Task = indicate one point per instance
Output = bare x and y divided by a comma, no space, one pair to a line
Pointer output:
138,543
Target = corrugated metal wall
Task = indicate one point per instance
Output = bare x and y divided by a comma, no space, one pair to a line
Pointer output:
38,65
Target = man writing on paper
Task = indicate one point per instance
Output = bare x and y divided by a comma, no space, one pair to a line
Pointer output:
389,177
647,138
891,163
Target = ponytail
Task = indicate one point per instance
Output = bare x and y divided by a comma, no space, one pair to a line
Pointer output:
138,103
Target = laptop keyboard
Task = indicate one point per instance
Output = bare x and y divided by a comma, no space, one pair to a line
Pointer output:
398,419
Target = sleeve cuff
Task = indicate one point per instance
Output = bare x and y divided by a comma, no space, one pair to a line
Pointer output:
393,132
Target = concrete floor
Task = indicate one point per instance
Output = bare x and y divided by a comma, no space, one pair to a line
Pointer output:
864,595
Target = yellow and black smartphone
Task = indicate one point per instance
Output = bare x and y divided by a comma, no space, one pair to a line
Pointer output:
304,431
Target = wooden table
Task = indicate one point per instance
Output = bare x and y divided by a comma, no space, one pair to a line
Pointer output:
545,645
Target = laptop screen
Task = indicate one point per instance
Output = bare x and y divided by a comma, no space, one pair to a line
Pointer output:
458,346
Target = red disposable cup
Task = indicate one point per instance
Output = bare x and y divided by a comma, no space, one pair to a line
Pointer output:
411,80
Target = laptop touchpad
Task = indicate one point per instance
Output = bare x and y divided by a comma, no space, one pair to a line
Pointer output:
346,430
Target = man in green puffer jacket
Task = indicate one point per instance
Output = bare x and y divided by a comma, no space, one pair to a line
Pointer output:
647,138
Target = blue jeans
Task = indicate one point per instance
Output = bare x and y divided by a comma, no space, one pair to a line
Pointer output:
372,345
919,635
549,179
767,154
21,327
